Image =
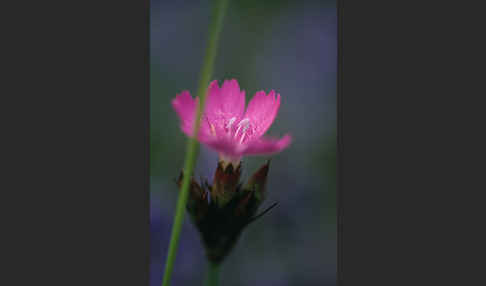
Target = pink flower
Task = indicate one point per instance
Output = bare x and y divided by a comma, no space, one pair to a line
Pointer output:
225,125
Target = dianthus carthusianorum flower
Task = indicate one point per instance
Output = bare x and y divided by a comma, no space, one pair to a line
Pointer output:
227,127
221,210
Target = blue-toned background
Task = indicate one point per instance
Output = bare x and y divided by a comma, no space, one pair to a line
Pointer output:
287,46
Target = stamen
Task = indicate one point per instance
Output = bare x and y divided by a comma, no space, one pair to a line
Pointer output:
211,126
246,126
237,130
245,122
231,121
242,137
244,132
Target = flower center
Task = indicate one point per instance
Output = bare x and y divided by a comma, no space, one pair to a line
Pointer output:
240,131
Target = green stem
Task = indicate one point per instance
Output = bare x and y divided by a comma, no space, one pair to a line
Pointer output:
213,275
219,10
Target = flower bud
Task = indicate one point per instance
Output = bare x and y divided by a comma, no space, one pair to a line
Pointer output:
258,182
225,183
196,202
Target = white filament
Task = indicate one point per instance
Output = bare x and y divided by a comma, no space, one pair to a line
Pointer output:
245,123
231,121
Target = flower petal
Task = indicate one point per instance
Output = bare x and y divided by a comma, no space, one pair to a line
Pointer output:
262,110
267,145
224,103
186,106
232,98
225,145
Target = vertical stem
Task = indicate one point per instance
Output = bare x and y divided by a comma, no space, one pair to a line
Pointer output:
213,275
219,10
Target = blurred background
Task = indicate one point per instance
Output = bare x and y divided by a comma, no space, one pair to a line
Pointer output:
289,46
